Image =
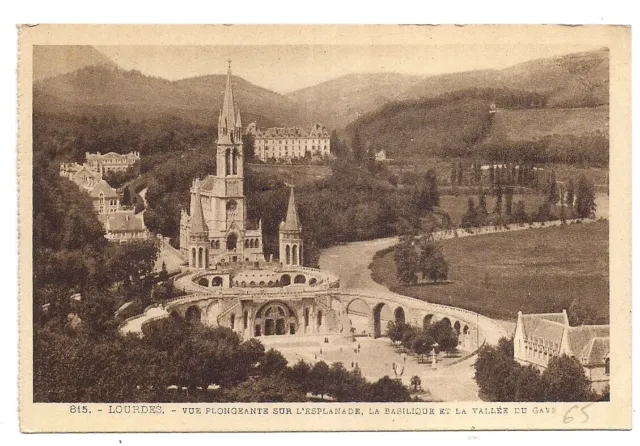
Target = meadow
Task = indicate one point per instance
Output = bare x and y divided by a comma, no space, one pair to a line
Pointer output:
538,270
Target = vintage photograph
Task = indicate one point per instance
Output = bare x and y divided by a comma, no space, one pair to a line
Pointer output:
320,223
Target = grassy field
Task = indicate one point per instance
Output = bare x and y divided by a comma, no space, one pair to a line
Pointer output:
296,174
538,270
532,124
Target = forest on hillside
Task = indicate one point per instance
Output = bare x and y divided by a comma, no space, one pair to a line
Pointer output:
459,124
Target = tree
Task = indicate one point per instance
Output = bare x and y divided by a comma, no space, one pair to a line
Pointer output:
422,344
509,200
585,205
319,379
563,210
425,192
498,208
470,218
520,215
406,260
163,275
570,195
248,146
357,148
126,197
565,380
432,264
492,367
388,390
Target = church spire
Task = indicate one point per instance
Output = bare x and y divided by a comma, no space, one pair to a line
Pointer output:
198,225
292,222
229,119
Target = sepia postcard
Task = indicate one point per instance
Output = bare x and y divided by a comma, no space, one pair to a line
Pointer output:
324,228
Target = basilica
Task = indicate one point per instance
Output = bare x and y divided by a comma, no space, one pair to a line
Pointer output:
216,232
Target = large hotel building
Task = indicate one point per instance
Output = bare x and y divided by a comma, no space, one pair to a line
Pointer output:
289,143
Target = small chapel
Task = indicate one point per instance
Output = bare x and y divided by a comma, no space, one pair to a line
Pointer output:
215,232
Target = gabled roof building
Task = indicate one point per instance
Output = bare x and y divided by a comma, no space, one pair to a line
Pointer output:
540,337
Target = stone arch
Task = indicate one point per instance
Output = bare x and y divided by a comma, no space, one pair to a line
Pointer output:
232,241
285,280
245,320
313,281
200,258
246,243
287,252
399,316
359,315
203,281
193,257
217,281
465,330
193,314
270,283
261,283
252,284
299,279
175,316
427,320
319,318
213,244
457,327
235,161
382,315
243,284
275,318
257,243
217,244
446,320
294,255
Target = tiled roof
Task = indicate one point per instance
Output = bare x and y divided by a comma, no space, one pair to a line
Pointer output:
580,337
531,321
103,186
124,222
595,352
317,131
550,331
198,225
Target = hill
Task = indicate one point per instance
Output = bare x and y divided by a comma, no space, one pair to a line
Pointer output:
569,81
107,89
572,80
344,99
53,60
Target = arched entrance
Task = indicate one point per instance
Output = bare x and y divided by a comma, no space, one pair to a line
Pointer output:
203,282
359,315
382,315
275,319
232,242
216,281
428,320
193,314
285,280
457,327
399,316
299,279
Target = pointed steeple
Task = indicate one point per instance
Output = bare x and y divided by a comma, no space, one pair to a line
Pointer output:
229,119
198,226
292,222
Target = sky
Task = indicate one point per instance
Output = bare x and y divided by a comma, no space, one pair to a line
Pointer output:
285,68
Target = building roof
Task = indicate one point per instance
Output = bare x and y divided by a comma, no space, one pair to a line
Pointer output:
596,351
549,331
291,222
198,225
124,221
316,131
530,322
103,186
207,183
580,337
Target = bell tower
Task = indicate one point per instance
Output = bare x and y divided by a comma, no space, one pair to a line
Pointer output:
291,236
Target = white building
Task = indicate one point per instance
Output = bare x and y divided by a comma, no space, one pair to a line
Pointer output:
281,143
